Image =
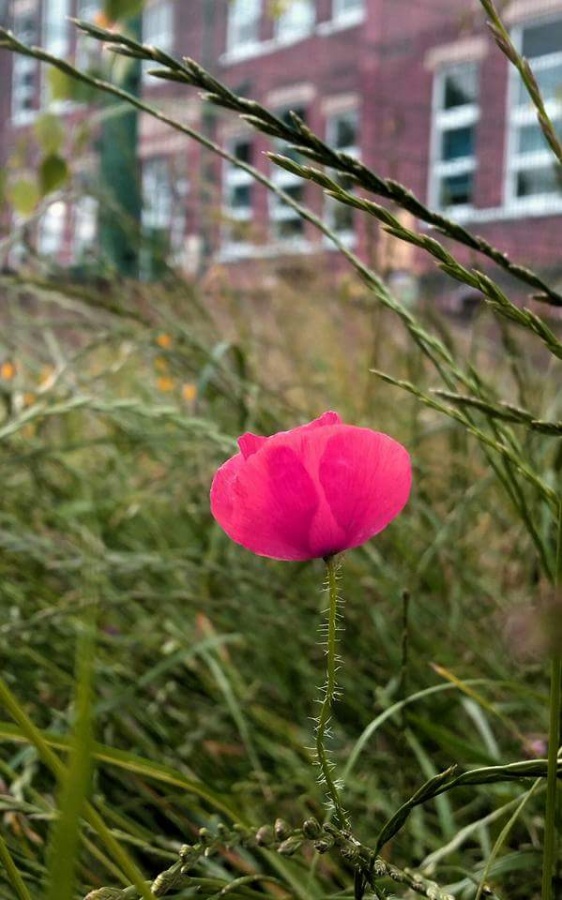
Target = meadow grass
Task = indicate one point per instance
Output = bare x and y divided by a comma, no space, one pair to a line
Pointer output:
205,659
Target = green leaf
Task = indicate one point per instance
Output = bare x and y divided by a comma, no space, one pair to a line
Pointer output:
24,195
50,133
53,172
60,85
116,10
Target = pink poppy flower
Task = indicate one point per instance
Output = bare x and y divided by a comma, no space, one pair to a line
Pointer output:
312,491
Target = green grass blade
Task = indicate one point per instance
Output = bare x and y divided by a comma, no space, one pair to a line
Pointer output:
130,763
12,872
57,768
65,842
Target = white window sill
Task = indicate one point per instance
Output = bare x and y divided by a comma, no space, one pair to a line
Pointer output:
245,251
534,207
347,238
341,22
261,48
20,119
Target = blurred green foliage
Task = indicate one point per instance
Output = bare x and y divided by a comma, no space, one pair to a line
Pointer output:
118,404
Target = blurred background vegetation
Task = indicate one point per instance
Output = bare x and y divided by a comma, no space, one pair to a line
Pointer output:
118,400
118,403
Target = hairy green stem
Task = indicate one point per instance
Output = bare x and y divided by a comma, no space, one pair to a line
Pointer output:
550,831
329,691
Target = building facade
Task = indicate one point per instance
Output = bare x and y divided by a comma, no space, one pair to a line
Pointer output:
416,88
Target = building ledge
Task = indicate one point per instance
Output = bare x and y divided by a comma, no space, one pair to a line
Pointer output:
262,48
521,210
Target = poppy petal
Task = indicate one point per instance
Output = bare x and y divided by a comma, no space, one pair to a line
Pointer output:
366,477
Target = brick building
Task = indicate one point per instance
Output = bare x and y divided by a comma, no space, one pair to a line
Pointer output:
416,88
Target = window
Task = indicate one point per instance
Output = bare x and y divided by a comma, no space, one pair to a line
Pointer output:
157,199
84,226
295,20
342,131
348,9
51,229
287,223
87,49
164,192
158,30
24,71
56,40
534,177
238,194
55,27
454,136
243,24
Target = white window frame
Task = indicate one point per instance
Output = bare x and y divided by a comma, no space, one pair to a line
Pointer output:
87,49
443,120
243,27
296,21
279,211
55,40
56,31
520,114
331,204
236,177
24,68
348,11
84,226
157,193
158,23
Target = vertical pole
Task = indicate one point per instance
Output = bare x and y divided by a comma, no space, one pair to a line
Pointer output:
120,215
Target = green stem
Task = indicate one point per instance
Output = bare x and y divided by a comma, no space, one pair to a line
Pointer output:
329,691
551,785
550,831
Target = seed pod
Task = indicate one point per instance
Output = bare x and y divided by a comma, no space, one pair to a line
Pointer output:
312,828
105,893
323,845
265,836
290,846
282,830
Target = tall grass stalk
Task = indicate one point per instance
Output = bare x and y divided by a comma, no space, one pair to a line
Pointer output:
551,837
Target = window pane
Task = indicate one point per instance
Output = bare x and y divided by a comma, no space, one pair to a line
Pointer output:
456,190
538,40
243,22
240,196
344,7
55,26
345,131
157,193
158,25
457,143
242,150
287,228
296,19
542,180
549,81
460,86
